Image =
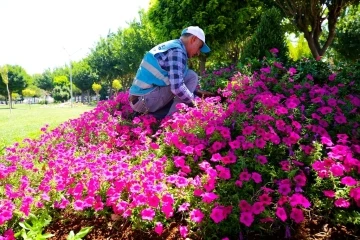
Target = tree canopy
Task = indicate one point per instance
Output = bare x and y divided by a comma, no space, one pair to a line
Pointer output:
309,16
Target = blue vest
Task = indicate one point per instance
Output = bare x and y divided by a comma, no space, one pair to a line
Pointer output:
150,74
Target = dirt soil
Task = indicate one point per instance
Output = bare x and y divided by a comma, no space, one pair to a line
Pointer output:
107,229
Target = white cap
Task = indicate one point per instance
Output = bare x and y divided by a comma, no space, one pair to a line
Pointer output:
199,33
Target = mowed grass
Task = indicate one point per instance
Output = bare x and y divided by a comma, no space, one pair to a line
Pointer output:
26,121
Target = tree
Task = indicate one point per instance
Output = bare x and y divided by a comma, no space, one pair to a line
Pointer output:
347,44
83,77
5,79
266,37
96,87
309,16
116,85
28,93
118,56
300,49
223,21
44,81
18,80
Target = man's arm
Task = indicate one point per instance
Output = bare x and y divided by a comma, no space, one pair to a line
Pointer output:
177,63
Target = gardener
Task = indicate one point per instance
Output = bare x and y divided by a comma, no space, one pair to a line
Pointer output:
163,78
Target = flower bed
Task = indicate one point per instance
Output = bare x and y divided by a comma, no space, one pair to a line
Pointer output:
279,149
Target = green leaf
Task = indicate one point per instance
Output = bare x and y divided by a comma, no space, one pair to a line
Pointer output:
83,232
23,226
71,235
45,236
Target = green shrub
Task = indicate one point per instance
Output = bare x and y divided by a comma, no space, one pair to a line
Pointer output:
268,35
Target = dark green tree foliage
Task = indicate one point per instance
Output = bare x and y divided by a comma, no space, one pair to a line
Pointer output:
269,34
18,80
347,44
44,81
224,21
61,93
83,76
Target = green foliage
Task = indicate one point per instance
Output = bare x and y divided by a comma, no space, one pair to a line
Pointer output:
226,24
268,35
300,49
33,227
347,44
82,75
82,233
61,81
61,93
28,93
44,80
18,80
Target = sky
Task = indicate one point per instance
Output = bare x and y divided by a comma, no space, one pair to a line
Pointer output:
45,34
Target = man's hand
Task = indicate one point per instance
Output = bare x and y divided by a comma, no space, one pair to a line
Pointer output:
204,94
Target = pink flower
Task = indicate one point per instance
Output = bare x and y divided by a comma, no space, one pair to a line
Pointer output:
209,197
348,181
244,176
159,228
184,207
167,209
274,50
256,177
329,193
246,218
342,203
153,201
265,199
297,215
244,206
280,213
183,231
284,189
218,214
147,214
292,71
224,173
257,208
332,77
262,159
300,180
337,170
196,215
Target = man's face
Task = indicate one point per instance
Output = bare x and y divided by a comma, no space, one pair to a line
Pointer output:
193,47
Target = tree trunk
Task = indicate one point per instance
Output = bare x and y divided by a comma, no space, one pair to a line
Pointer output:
82,96
202,64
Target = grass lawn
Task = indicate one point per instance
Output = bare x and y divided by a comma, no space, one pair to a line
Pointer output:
25,121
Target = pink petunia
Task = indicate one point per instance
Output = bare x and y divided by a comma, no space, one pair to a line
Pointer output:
348,181
196,215
183,231
256,177
247,218
280,213
342,203
244,206
244,176
329,193
147,214
159,228
208,197
297,215
257,208
219,213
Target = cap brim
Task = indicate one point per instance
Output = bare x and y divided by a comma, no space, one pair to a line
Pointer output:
205,48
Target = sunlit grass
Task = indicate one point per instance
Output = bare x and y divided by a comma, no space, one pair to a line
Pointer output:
26,120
